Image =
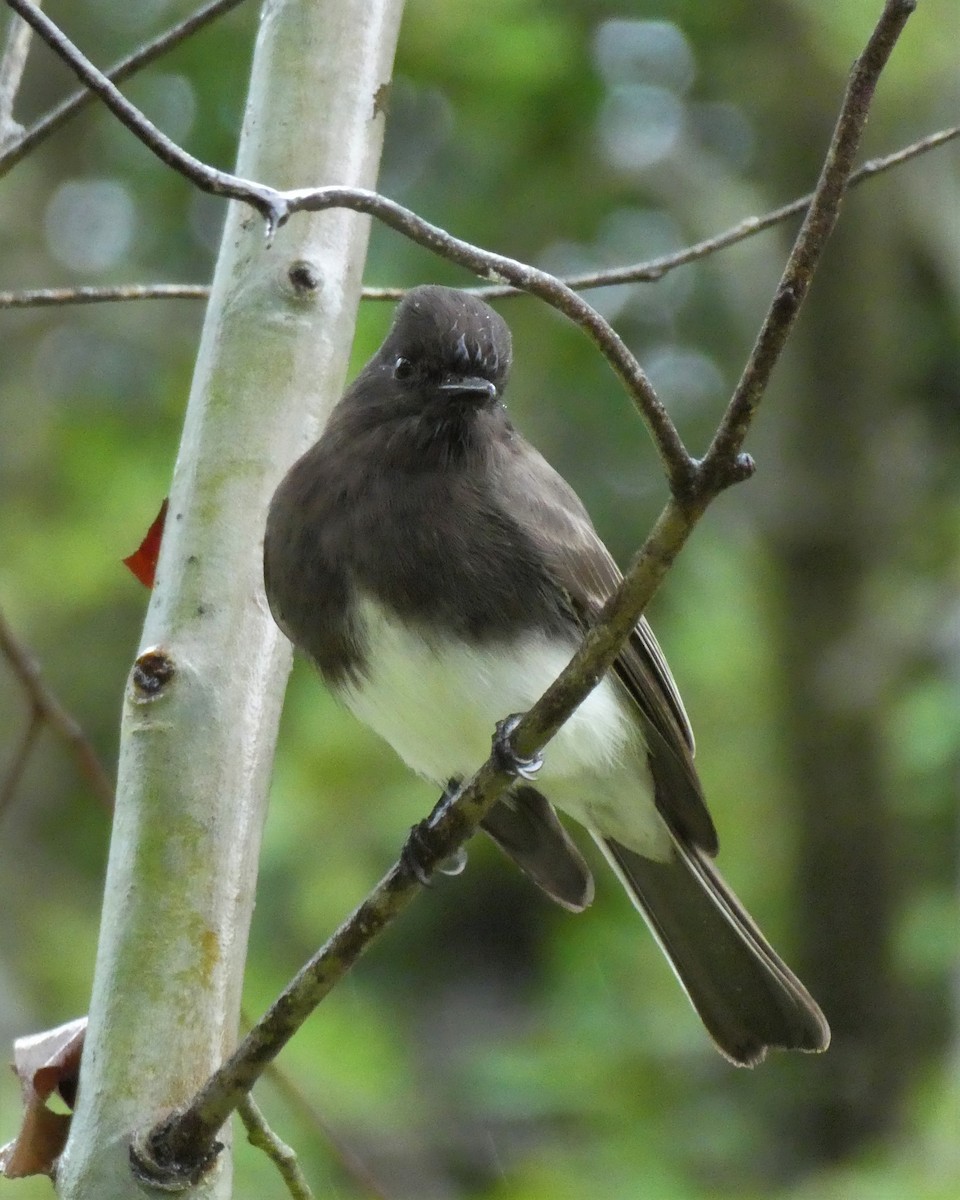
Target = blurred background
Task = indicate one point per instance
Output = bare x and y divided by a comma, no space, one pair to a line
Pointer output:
491,1045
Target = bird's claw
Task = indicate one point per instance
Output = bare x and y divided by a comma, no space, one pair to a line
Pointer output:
507,758
415,849
455,863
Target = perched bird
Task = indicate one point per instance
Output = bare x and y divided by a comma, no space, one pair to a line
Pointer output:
440,574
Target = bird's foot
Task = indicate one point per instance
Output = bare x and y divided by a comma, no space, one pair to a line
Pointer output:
507,758
416,849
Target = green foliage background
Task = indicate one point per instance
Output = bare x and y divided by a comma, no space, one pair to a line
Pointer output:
491,1045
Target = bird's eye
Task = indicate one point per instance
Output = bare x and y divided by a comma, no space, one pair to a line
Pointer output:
403,369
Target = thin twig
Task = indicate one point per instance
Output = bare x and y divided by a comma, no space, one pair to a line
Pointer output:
19,146
350,1164
51,297
296,1098
189,1136
649,271
260,1135
654,269
276,207
48,708
12,63
18,763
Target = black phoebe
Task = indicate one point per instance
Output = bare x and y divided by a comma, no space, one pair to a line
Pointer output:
440,574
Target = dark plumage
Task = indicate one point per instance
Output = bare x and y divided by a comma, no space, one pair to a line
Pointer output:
439,573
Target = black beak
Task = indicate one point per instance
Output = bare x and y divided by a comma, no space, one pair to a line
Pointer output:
470,387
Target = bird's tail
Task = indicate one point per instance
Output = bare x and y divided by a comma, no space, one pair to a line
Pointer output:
746,996
525,826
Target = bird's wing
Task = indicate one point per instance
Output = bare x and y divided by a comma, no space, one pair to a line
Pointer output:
556,521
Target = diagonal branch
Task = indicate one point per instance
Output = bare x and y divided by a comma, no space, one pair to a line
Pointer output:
47,709
21,145
12,63
181,1146
18,763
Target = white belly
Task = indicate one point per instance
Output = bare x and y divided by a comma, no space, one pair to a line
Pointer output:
437,703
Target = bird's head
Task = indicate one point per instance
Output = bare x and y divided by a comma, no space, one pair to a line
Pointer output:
446,348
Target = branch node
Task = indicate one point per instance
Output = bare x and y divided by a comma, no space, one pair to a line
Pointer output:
275,210
788,297
719,471
687,480
742,468
153,1169
151,673
304,277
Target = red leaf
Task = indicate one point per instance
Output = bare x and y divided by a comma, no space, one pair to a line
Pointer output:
143,561
44,1062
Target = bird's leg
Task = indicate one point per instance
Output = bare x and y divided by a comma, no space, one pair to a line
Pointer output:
417,850
507,758
417,846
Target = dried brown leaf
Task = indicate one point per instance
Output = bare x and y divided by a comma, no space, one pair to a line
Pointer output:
44,1063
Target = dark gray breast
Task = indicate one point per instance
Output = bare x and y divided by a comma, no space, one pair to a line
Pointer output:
433,545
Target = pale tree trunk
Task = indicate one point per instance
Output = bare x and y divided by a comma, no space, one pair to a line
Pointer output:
196,753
